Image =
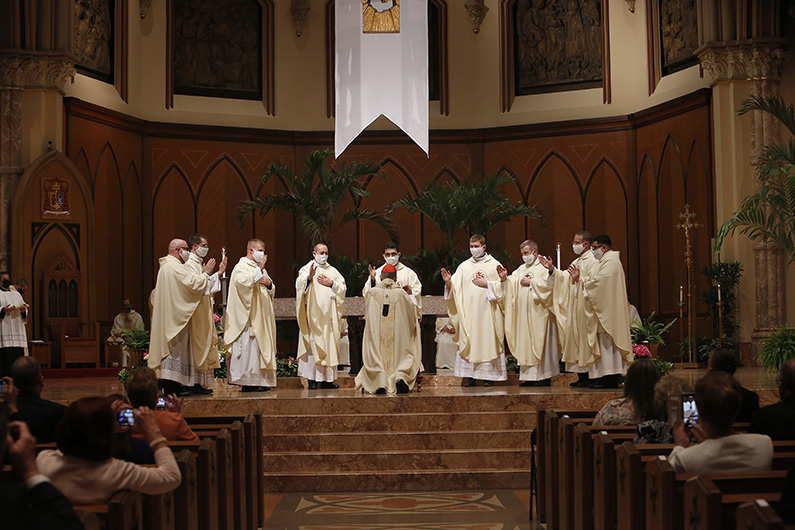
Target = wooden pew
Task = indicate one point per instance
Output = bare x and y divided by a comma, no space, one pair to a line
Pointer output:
665,508
158,511
206,479
630,481
186,499
758,515
711,501
122,512
251,482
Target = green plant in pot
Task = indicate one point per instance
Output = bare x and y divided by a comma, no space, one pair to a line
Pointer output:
777,349
649,332
136,341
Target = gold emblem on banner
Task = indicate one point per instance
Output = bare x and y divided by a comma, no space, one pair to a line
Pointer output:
381,16
55,193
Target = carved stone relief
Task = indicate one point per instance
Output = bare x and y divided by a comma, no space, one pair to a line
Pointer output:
37,71
94,37
217,48
557,42
678,31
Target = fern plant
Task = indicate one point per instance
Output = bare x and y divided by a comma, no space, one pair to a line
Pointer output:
315,194
778,348
769,214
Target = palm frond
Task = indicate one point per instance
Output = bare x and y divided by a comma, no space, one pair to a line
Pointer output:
357,214
772,105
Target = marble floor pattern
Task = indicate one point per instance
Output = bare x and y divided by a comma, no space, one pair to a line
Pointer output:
438,510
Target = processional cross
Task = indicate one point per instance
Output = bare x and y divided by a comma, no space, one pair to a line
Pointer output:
687,224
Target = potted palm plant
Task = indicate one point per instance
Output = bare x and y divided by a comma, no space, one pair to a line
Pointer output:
136,342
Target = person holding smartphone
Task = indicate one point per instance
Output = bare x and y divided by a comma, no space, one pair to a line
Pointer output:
718,398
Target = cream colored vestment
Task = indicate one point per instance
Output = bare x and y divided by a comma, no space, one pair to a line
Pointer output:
391,350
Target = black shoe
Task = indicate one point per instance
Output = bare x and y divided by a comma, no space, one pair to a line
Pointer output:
170,387
200,390
311,385
255,388
381,390
488,383
472,382
326,384
608,381
544,382
184,391
527,383
581,382
595,383
402,387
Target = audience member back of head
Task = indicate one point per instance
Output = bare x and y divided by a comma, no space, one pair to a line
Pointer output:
40,414
778,420
637,405
725,360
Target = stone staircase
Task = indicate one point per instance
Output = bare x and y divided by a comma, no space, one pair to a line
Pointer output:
329,442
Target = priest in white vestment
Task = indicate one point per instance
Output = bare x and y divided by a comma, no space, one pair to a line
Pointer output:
176,352
607,314
391,351
250,328
13,335
407,279
319,297
474,296
577,342
127,320
445,346
530,325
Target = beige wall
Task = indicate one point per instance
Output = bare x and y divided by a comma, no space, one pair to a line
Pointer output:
300,78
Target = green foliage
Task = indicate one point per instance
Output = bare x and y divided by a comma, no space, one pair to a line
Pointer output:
769,214
428,265
727,274
778,347
704,347
469,207
136,340
221,373
314,196
286,367
511,364
649,331
663,366
354,272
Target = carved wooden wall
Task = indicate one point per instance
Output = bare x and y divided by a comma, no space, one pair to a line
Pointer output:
628,177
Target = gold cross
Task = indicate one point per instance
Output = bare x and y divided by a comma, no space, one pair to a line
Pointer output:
687,225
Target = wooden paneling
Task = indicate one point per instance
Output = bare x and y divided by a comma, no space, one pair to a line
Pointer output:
628,177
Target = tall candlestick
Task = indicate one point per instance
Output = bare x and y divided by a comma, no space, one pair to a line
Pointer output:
718,293
557,251
681,294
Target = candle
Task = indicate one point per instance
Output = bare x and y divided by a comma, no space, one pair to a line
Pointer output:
223,255
718,293
681,294
557,251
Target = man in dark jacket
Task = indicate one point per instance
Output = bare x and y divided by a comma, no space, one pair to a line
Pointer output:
725,360
778,420
40,414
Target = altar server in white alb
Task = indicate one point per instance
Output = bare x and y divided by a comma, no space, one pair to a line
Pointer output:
13,336
176,353
607,315
529,320
474,296
391,350
250,331
319,297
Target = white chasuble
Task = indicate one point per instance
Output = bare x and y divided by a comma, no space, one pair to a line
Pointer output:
608,312
250,332
177,294
476,313
529,320
391,350
577,339
203,335
319,314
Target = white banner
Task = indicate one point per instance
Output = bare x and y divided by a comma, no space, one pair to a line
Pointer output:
381,73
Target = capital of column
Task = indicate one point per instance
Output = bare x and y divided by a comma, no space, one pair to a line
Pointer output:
754,59
36,71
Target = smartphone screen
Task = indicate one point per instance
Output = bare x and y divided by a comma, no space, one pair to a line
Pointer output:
126,418
689,409
161,404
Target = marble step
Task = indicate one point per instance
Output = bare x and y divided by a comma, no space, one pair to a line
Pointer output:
451,460
386,441
403,480
414,422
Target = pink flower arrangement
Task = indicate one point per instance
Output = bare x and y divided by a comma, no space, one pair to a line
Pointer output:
216,319
641,351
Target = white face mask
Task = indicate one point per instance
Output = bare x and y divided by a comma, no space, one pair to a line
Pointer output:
391,260
476,252
321,259
202,251
258,255
529,259
185,255
578,248
598,253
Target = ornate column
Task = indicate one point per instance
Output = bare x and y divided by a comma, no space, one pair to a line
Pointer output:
755,64
10,164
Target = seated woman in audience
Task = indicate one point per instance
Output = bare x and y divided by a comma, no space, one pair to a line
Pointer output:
125,447
656,430
141,388
718,398
84,470
637,403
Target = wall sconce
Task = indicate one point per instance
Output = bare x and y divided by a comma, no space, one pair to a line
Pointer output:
299,10
631,5
476,11
145,6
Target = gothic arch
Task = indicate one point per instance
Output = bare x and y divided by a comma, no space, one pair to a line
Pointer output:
106,147
549,156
